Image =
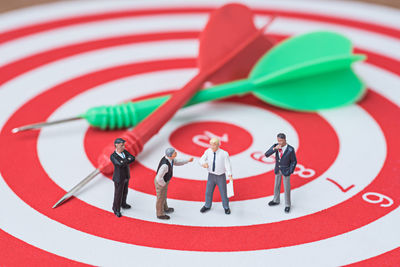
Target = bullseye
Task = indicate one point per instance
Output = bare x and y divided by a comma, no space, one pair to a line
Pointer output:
193,139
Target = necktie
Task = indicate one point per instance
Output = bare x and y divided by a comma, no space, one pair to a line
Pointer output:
213,168
123,155
280,152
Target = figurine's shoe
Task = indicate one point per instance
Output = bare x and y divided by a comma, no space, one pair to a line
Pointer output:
169,210
125,206
163,217
117,213
287,209
228,211
204,209
272,203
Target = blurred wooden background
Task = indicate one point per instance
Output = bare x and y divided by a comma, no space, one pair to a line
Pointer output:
7,5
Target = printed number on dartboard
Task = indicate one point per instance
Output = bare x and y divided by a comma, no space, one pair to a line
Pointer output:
300,170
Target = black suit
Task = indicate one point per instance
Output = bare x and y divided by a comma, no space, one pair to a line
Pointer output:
287,163
121,177
283,166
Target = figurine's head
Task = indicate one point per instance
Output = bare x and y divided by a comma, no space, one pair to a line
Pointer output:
170,153
214,142
119,144
281,139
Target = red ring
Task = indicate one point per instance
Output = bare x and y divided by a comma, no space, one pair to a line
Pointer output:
51,25
136,231
98,221
308,125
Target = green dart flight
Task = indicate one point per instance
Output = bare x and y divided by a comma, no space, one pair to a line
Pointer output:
309,72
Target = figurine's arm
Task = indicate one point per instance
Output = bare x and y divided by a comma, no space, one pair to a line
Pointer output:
203,160
180,162
117,162
270,151
129,158
160,175
293,161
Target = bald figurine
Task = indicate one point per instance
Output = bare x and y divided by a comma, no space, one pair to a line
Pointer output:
163,177
217,162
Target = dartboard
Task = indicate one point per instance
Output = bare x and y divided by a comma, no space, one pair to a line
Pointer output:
60,59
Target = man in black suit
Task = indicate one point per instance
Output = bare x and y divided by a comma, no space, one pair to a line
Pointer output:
285,164
121,160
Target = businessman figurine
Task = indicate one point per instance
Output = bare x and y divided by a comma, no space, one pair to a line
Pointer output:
121,160
285,165
217,162
163,177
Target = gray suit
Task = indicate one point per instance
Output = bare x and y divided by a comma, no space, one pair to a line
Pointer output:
212,181
218,164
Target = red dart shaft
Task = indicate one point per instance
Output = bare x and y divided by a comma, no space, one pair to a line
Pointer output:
222,57
137,137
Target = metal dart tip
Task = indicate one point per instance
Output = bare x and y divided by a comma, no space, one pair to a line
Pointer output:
76,188
58,203
43,124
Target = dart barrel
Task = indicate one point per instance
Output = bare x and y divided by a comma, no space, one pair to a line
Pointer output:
121,116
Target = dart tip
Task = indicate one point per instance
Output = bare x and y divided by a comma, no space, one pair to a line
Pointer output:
58,203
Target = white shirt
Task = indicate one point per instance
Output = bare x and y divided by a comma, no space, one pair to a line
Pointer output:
164,169
122,155
283,150
222,162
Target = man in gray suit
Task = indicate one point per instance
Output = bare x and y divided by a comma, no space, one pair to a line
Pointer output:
285,164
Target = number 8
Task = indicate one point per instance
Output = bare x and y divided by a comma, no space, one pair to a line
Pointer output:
303,172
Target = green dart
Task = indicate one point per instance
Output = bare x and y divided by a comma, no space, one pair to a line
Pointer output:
309,72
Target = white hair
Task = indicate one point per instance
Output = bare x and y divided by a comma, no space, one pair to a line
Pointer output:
214,140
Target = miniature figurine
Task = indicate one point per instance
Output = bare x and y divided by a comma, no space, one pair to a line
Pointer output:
121,160
285,164
217,162
163,177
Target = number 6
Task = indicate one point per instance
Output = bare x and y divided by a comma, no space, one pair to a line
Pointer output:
379,200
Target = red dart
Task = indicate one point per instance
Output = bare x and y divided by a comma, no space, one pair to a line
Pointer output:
230,45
